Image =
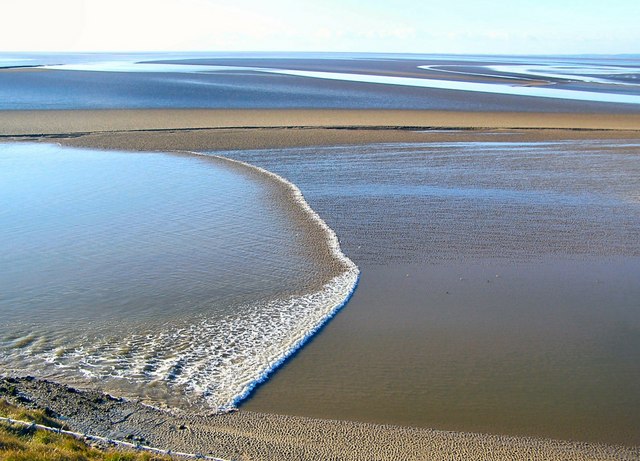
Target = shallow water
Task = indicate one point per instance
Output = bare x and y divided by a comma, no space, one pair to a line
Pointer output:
498,292
153,274
317,80
600,95
459,200
501,89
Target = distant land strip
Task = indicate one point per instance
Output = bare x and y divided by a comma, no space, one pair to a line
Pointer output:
45,122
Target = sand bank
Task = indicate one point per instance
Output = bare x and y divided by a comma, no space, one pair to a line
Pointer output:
158,130
83,121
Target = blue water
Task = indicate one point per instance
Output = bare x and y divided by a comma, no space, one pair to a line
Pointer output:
176,278
454,200
299,80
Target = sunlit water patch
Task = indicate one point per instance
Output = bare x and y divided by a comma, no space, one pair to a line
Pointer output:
599,74
177,278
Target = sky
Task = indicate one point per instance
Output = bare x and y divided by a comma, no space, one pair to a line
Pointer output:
403,26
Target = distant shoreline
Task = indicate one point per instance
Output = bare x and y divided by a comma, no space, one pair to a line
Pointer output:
220,130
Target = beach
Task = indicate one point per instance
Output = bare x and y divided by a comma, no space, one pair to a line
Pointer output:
268,436
246,435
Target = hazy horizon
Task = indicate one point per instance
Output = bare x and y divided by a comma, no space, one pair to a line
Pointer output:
312,52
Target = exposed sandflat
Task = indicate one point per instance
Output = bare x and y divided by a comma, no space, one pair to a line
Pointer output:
82,121
159,130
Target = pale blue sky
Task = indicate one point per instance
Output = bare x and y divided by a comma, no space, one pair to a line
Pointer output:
408,26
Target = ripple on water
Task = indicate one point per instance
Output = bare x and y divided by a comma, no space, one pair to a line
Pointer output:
156,274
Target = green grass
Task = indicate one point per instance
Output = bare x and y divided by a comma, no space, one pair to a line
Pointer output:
20,443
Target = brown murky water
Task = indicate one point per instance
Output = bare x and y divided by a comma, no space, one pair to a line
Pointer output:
499,288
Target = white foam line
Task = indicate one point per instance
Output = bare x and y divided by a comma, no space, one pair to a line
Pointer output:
439,68
109,441
264,376
332,238
565,72
350,277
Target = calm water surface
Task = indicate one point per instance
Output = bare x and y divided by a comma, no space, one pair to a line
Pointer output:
319,81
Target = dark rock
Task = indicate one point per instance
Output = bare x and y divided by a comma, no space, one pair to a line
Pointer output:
23,399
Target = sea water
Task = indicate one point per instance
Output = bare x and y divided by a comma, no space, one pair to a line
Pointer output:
175,278
499,286
313,81
458,200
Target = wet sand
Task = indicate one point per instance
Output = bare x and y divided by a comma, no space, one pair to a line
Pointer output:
267,436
